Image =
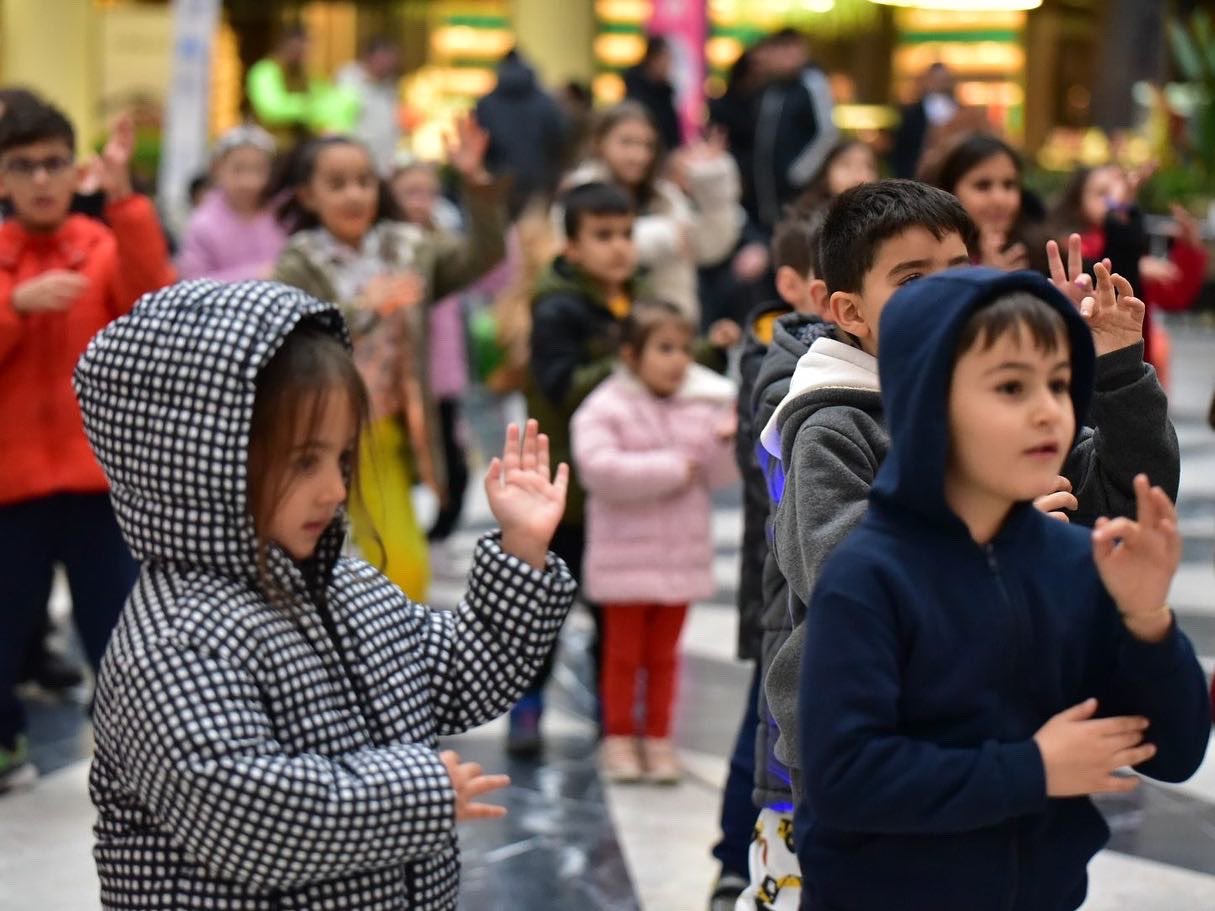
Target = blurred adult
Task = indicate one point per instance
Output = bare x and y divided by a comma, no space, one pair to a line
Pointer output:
291,104
936,106
649,83
373,80
526,129
794,129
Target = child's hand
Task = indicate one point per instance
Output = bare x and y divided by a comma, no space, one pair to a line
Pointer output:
727,427
466,151
1137,560
51,292
1080,753
1057,500
115,170
993,254
1158,269
1114,314
470,784
1075,283
386,294
1188,231
751,262
525,501
725,333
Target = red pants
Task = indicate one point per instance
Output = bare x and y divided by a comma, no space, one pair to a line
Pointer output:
637,637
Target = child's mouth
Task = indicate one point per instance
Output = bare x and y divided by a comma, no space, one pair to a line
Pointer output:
1046,450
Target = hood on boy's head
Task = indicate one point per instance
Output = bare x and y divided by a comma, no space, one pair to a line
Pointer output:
919,332
167,397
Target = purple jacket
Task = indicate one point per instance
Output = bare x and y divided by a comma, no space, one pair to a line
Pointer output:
649,531
223,245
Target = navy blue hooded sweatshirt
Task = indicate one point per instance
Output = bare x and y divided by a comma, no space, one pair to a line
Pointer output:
932,661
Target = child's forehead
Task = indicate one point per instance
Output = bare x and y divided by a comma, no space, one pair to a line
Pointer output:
41,147
1018,342
606,221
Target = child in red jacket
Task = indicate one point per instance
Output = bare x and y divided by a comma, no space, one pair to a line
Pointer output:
62,278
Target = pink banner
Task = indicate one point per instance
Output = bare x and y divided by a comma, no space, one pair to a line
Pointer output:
684,23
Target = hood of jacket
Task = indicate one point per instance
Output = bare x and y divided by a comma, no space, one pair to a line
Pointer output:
515,77
167,397
919,333
792,336
829,371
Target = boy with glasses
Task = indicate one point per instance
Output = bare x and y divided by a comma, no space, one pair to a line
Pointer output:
62,278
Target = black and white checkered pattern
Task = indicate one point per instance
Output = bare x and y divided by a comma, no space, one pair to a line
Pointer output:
247,756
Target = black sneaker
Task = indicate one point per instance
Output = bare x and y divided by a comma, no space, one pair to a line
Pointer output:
725,894
16,770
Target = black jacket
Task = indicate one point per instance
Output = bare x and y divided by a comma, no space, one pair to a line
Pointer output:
658,97
526,132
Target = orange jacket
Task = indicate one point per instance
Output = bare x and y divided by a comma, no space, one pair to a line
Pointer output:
43,449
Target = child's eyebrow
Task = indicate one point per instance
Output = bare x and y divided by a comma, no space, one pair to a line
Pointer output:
1023,367
960,260
910,265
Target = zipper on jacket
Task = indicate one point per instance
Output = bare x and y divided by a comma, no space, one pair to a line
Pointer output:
993,564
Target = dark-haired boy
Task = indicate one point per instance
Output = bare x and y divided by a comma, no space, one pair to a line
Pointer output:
960,645
793,316
829,430
62,278
577,309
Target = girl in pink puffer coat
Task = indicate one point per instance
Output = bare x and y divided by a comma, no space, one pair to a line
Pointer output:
650,444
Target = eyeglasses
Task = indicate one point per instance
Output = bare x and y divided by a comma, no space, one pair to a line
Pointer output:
28,168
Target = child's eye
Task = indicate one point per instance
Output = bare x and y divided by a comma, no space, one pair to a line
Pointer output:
306,464
910,278
1060,387
1012,387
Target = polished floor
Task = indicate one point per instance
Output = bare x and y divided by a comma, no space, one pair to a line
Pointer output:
570,842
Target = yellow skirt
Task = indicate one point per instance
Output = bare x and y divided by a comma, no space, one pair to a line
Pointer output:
381,516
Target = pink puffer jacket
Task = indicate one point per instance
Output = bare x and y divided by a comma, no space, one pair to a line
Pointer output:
649,531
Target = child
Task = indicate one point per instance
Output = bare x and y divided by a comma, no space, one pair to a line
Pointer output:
347,246
415,189
231,236
828,435
1100,205
694,219
268,712
62,278
848,164
763,613
650,444
959,644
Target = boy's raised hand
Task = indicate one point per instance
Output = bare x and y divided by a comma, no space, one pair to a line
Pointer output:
524,497
1080,753
1111,309
115,169
1137,561
469,784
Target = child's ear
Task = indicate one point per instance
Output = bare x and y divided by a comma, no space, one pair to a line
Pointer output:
819,297
789,285
844,309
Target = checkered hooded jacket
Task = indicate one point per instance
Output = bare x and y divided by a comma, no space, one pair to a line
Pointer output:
254,755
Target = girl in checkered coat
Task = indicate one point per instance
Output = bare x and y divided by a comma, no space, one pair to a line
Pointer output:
268,711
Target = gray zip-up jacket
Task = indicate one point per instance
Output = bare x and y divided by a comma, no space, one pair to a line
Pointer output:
258,755
831,438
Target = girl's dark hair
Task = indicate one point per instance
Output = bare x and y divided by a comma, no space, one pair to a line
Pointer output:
818,193
613,117
1068,213
966,154
296,168
289,403
1018,311
646,317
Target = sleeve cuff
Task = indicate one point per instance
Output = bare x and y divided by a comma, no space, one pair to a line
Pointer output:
1120,368
494,567
1153,660
1026,776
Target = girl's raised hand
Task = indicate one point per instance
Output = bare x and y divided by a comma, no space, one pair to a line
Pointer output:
1137,560
524,497
466,151
1113,313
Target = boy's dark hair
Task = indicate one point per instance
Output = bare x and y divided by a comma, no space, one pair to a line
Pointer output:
1016,311
860,220
644,319
795,241
28,120
594,198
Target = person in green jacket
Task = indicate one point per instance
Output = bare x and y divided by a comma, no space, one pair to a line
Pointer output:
291,104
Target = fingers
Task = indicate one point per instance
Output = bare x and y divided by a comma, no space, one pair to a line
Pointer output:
479,785
542,456
493,477
510,450
483,811
1123,530
1053,502
1075,262
1055,261
528,462
1063,483
1080,711
1134,756
562,482
1117,726
1116,784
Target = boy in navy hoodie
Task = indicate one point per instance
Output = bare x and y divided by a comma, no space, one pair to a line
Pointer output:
974,670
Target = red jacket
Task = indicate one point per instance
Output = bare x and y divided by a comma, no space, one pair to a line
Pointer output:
43,449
